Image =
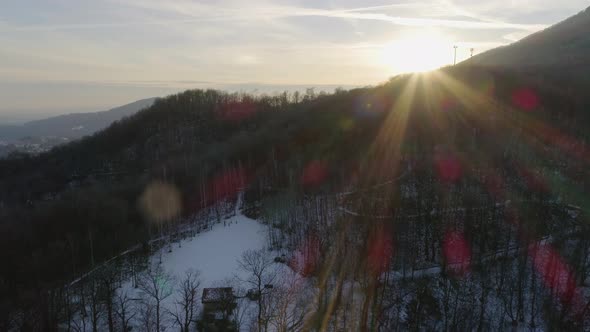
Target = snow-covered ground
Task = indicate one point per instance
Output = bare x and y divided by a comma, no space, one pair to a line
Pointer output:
215,252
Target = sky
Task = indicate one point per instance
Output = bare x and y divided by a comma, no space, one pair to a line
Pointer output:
62,56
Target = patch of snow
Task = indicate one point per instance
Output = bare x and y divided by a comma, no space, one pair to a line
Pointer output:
215,252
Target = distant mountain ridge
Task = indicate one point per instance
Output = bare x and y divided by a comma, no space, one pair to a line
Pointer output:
565,43
72,126
42,135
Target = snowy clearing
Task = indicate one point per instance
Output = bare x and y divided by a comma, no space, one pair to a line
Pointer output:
215,252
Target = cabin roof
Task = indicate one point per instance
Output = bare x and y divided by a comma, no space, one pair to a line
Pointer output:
216,295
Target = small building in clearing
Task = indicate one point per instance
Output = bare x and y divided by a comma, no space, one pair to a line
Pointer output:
218,308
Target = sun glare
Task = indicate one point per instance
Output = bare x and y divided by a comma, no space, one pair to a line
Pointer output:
418,52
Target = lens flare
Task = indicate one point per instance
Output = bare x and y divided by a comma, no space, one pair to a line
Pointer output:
456,251
448,167
525,99
314,173
160,202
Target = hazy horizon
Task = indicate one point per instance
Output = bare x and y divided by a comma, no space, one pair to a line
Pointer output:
69,57
23,115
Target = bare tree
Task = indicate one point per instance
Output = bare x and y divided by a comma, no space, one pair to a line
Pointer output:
124,311
108,280
186,306
260,267
96,308
241,312
240,307
146,310
156,286
288,304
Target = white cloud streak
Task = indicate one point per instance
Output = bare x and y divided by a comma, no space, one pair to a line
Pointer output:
419,22
199,13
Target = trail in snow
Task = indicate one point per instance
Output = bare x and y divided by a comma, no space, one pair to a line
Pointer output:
449,210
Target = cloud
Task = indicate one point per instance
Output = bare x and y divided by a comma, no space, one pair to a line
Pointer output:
247,60
106,25
515,36
420,22
191,12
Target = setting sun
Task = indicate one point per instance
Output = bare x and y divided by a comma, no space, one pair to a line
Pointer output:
418,52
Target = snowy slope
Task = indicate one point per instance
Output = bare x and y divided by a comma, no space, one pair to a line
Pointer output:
214,253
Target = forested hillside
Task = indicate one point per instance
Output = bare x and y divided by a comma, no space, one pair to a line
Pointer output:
564,44
458,198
